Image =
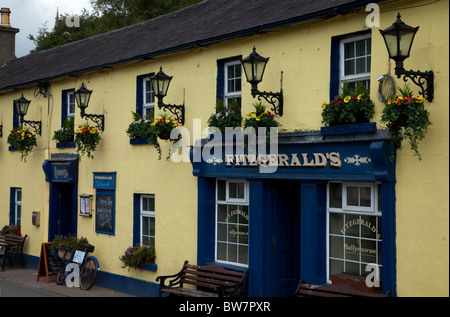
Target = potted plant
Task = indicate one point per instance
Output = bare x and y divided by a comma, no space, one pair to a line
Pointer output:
66,245
134,257
349,108
261,118
161,128
140,129
14,229
406,116
23,140
224,117
66,133
86,139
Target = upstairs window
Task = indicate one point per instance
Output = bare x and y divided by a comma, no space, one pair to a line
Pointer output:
148,107
355,58
233,82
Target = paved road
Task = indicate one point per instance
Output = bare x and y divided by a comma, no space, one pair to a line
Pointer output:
9,288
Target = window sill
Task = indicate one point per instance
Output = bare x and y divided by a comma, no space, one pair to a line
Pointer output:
139,141
149,267
367,127
63,145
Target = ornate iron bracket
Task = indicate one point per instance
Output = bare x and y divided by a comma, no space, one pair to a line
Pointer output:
36,125
177,110
420,79
271,97
98,119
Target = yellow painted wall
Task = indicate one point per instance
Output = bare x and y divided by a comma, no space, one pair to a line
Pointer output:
303,53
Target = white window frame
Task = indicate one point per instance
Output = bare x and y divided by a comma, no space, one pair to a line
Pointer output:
146,213
375,211
17,203
227,201
147,106
234,94
355,77
69,113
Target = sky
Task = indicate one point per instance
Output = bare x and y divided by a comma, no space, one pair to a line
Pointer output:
30,15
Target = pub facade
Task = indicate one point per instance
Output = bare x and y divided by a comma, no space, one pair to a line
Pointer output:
316,203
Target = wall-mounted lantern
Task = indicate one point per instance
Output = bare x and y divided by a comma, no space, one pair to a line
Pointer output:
254,66
21,106
160,83
398,39
82,96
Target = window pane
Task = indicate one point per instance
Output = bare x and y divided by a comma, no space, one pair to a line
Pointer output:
221,232
222,213
336,223
360,48
349,50
349,67
236,190
379,197
336,195
365,196
222,251
352,196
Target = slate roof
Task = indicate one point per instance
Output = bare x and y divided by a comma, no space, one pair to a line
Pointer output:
201,23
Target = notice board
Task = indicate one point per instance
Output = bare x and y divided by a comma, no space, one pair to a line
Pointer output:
104,217
49,265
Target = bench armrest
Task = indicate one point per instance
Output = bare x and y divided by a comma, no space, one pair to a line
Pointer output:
175,279
236,290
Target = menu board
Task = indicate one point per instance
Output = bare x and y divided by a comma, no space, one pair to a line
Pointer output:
104,218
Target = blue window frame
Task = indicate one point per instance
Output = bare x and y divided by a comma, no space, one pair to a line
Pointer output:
67,105
15,209
229,80
145,98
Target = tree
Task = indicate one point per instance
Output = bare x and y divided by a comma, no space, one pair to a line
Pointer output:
107,15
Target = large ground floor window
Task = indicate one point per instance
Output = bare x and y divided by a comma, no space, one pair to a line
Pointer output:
354,228
232,221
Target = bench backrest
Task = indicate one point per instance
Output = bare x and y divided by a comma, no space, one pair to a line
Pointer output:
13,241
210,276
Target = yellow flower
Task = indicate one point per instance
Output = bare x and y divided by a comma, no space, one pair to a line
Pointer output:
360,96
324,104
253,115
257,118
167,121
420,99
347,99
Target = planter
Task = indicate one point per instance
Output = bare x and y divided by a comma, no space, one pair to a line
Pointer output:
164,135
65,254
368,127
63,145
138,141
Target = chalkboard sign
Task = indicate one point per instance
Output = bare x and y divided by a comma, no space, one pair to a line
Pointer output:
104,218
49,265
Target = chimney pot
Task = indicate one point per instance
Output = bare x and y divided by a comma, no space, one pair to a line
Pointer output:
5,16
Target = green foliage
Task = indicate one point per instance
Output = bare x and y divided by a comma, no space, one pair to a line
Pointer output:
138,255
23,140
223,117
140,128
406,116
261,118
15,229
86,139
69,242
348,108
108,15
66,133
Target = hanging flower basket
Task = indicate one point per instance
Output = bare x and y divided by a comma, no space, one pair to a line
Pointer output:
224,117
406,117
261,118
23,140
162,128
86,140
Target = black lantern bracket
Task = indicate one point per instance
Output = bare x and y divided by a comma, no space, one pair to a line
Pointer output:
98,119
254,66
274,98
420,79
177,110
399,38
82,97
35,125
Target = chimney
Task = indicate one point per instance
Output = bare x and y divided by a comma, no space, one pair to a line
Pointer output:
7,38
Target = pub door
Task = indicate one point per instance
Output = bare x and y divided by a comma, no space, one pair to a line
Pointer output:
63,210
286,237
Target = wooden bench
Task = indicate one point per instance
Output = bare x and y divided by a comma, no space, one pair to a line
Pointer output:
332,290
11,246
210,280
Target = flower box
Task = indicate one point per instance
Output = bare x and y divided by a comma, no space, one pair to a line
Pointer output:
137,141
368,127
64,145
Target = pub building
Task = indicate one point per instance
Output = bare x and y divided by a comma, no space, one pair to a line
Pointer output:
316,203
322,211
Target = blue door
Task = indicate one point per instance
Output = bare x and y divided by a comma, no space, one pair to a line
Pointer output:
63,210
286,237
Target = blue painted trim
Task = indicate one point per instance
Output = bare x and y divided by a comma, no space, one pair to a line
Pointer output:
65,145
149,267
139,141
12,200
136,219
12,148
367,127
139,94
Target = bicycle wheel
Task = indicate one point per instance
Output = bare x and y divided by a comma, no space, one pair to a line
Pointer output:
60,275
88,273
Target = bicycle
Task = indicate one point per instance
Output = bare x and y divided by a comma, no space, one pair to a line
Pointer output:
88,267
